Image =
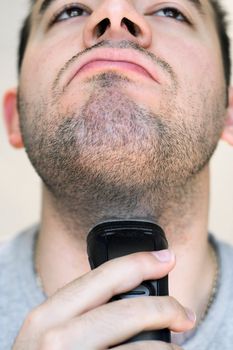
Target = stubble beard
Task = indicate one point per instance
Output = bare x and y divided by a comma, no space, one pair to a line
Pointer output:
113,158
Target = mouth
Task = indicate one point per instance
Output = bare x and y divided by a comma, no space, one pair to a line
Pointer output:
119,60
121,66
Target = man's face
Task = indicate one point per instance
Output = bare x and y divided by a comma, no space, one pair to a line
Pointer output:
121,97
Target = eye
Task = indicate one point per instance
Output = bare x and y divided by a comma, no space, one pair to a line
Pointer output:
171,13
68,12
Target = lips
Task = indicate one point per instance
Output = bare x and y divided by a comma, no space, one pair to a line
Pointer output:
109,64
116,59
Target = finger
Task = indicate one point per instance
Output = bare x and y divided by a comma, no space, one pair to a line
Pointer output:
112,324
148,345
98,286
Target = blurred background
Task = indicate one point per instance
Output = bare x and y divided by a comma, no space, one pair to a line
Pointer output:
19,184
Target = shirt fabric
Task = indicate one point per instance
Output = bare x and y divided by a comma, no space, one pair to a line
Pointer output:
19,294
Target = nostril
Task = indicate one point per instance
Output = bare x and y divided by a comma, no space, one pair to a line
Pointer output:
131,26
102,26
105,24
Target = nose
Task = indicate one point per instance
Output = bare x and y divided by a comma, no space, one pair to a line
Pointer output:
117,20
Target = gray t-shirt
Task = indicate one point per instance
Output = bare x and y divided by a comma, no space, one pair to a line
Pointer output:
19,293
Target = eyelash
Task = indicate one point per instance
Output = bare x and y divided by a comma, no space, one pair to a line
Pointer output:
66,9
80,10
175,12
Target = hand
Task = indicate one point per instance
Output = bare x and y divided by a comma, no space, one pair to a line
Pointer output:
79,317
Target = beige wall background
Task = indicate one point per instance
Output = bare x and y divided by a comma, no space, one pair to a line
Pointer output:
19,184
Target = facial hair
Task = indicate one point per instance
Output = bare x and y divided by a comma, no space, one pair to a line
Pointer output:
114,158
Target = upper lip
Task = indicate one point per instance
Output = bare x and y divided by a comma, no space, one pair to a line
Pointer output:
121,55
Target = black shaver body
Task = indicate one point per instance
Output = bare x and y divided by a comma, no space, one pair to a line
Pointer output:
113,239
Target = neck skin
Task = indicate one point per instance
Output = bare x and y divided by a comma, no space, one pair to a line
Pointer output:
61,255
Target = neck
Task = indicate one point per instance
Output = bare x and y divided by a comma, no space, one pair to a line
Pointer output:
61,248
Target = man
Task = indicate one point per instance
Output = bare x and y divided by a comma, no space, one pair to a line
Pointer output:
120,106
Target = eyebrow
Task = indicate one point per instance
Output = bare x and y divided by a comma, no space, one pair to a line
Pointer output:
197,4
47,3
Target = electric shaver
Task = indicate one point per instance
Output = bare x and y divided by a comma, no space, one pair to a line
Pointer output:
113,239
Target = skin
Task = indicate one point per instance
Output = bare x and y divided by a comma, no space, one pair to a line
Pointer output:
63,322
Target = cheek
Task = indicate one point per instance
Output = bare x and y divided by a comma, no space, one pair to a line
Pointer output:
197,61
42,63
37,72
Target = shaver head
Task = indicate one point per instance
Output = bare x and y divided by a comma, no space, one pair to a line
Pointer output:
112,239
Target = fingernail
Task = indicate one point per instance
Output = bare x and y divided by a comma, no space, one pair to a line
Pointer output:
164,255
190,314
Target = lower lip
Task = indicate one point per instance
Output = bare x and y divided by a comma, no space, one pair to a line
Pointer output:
119,65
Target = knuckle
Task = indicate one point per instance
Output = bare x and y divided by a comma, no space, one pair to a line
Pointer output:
52,340
129,307
140,259
159,309
159,306
135,263
33,320
143,309
136,310
152,309
139,264
174,305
